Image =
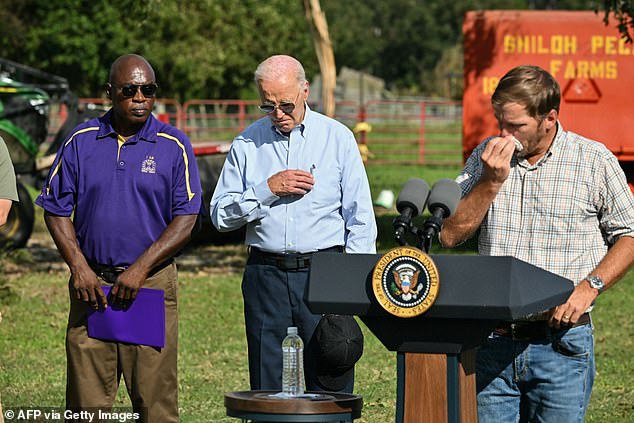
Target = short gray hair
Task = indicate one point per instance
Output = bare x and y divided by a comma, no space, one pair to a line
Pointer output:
280,66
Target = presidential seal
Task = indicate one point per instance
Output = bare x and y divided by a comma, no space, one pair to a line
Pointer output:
405,282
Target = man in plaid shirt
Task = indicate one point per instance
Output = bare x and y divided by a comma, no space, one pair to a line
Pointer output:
560,202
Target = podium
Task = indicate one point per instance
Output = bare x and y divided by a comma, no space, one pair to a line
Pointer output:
436,350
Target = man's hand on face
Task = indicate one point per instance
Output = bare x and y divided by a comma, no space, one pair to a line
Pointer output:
496,159
291,182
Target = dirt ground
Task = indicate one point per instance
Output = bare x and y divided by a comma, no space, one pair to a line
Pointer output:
41,255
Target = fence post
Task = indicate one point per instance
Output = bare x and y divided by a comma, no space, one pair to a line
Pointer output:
179,115
421,134
361,117
241,114
185,125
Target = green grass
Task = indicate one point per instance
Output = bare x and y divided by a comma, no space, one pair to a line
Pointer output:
613,394
394,177
213,360
399,143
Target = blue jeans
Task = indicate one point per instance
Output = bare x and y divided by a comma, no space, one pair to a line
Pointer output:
542,380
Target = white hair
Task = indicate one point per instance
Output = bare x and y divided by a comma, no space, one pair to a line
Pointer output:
280,67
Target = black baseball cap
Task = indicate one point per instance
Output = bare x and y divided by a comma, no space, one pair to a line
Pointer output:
339,347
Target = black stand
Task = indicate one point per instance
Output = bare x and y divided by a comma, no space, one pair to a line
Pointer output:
475,293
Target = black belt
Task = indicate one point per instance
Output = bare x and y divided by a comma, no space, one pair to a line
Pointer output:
538,329
111,273
290,261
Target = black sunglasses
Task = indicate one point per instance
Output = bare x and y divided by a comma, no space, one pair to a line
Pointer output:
130,90
285,107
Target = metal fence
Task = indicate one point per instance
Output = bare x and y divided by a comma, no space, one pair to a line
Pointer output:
423,132
413,132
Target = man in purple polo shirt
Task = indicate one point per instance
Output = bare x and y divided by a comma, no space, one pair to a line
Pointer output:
133,186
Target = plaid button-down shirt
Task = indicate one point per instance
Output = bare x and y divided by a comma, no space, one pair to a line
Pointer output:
561,213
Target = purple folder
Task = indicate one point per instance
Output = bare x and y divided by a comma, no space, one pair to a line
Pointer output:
143,322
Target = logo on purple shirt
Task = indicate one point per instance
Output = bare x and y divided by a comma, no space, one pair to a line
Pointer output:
148,165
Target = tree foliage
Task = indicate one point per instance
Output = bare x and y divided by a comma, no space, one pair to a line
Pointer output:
209,48
412,44
199,49
623,12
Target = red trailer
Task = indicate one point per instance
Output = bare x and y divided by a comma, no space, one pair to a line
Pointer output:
593,65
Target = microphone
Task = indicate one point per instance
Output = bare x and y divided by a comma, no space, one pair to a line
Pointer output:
410,203
443,200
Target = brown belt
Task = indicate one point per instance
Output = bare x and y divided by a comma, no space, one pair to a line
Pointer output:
111,273
538,329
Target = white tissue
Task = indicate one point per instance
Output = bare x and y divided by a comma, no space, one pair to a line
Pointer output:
518,145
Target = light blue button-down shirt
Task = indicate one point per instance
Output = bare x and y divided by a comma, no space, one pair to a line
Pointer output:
337,211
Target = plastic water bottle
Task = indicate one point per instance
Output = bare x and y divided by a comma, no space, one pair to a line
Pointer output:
293,364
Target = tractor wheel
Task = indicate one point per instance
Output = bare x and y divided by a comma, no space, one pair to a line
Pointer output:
209,167
16,232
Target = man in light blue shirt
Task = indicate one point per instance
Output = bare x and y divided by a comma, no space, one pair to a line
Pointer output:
296,179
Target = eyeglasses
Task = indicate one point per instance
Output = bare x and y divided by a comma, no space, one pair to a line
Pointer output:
285,107
130,90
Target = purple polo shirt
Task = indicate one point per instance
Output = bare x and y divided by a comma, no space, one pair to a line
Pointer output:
122,198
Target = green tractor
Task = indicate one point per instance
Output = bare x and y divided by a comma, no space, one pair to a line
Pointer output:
26,96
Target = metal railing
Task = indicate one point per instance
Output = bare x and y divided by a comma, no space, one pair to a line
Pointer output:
421,132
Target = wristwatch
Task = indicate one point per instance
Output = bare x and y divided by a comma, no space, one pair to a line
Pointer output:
596,282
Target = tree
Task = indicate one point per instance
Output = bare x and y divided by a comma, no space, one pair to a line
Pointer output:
209,48
410,43
623,12
199,49
401,41
323,49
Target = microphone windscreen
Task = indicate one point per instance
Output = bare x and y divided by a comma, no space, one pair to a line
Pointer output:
414,195
445,193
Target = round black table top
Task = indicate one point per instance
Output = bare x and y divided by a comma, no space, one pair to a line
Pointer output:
313,407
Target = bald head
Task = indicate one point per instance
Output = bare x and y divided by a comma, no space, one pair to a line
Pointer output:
126,62
132,89
280,68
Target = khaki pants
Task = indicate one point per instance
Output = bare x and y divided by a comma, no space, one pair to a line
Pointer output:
94,367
